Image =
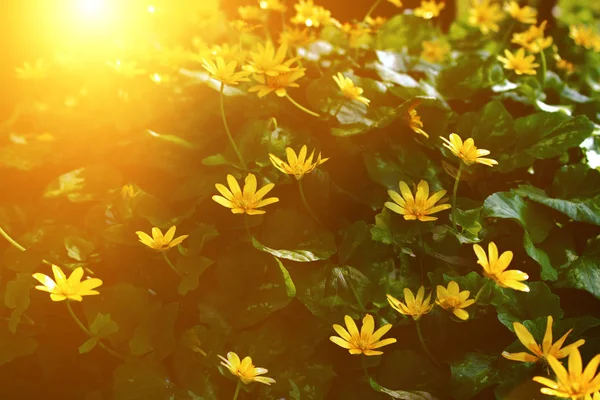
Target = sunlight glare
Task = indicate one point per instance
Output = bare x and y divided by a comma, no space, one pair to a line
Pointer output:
91,8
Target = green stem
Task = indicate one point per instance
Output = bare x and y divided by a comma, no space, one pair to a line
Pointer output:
247,227
454,191
18,246
303,197
337,111
237,390
544,69
422,340
354,292
306,110
480,292
164,253
90,334
235,148
373,7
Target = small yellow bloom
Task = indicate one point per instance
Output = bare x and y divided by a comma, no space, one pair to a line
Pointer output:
434,51
62,288
429,9
546,349
420,207
519,62
158,241
414,121
533,39
245,370
274,5
246,201
397,3
242,26
495,268
525,14
296,37
575,383
34,72
265,60
414,307
358,34
250,13
376,22
585,36
128,69
278,84
310,15
467,151
453,299
350,91
297,165
227,52
225,73
485,15
364,342
563,64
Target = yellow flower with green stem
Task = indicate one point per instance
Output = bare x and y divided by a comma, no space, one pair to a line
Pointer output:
246,201
469,154
546,349
63,288
160,242
414,120
494,267
417,207
453,299
277,84
573,383
533,39
225,73
364,342
485,15
264,59
414,307
429,9
245,371
519,62
349,90
585,37
525,14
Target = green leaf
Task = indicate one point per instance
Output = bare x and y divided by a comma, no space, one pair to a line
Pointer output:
491,128
290,288
472,374
103,326
583,274
13,346
191,268
78,248
320,248
583,211
88,345
85,184
468,75
400,394
172,139
16,298
155,332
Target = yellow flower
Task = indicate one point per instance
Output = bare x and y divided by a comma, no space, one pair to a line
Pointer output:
250,13
293,36
358,34
350,91
227,52
242,26
414,121
35,72
574,383
246,201
275,5
414,307
245,370
420,207
62,288
158,241
485,15
375,22
128,69
495,268
584,36
563,64
546,349
364,342
225,73
533,39
277,84
265,60
397,3
519,62
467,151
429,9
297,165
310,15
434,51
525,14
453,299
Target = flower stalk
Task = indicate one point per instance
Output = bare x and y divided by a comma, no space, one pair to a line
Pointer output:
422,340
229,136
237,390
454,192
90,334
301,107
373,7
544,69
303,197
171,264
